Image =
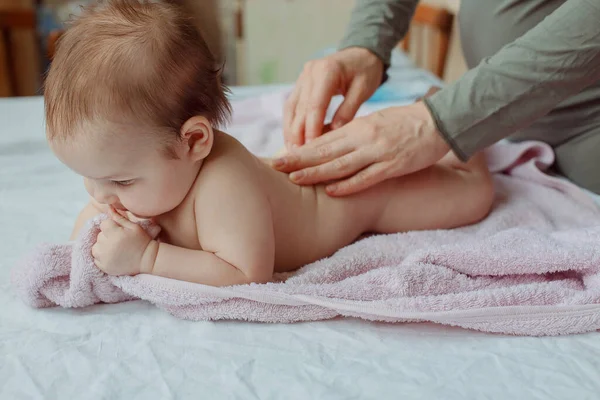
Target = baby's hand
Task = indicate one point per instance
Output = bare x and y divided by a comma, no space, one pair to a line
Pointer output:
122,247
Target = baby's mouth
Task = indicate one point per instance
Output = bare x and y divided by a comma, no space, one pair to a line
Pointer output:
133,217
123,211
128,214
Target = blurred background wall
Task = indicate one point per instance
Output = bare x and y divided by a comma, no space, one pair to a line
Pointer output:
261,41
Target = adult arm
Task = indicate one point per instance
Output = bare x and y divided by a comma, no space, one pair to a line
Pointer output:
378,25
506,92
524,81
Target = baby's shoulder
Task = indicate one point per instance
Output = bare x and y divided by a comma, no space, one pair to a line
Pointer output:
229,176
229,192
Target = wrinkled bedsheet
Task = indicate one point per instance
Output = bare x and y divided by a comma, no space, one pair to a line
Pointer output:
136,351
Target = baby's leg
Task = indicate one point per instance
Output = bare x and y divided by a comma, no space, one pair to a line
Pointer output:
446,195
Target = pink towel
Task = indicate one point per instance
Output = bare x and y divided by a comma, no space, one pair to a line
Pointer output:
531,268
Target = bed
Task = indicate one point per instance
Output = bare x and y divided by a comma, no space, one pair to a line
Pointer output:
135,351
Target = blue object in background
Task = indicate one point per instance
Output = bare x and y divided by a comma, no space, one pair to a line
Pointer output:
406,82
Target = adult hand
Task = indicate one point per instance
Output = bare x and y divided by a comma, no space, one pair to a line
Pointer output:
389,143
354,73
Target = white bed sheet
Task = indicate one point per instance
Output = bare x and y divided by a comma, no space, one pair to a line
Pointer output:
135,351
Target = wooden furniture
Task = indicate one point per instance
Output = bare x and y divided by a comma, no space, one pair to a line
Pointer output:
428,38
12,20
52,41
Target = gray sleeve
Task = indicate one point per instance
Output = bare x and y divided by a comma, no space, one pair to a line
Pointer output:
524,81
378,25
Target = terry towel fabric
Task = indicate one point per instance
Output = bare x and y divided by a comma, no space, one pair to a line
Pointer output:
531,268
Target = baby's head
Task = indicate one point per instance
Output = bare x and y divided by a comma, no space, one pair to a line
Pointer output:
132,96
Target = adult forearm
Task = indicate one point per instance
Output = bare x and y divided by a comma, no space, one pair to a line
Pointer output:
378,25
523,81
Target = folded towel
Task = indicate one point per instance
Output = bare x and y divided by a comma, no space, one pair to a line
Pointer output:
531,268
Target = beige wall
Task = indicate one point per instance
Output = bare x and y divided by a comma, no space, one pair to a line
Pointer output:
279,36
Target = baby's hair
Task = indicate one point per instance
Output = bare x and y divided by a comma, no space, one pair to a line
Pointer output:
136,59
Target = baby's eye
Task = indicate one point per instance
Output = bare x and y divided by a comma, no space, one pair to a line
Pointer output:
123,183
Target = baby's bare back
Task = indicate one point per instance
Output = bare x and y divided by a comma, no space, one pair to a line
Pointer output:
305,223
308,223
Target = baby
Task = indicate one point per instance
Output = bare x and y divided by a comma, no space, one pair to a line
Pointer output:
133,102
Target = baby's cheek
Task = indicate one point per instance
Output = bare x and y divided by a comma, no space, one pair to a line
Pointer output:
135,201
171,194
146,202
168,195
88,186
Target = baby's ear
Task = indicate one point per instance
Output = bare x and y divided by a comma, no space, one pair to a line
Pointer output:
197,134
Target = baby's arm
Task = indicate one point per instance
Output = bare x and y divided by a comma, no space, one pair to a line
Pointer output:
199,266
235,228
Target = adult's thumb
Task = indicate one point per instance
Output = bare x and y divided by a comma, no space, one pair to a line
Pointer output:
355,96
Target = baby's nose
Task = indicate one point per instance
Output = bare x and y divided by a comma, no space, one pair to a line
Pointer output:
108,200
104,196
101,193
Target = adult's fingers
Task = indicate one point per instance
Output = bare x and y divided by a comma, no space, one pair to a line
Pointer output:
356,95
340,167
326,128
319,151
297,127
289,113
324,88
362,180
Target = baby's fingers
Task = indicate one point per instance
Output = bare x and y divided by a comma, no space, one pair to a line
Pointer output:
95,251
107,225
120,220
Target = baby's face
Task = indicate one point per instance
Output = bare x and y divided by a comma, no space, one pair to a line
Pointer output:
128,170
